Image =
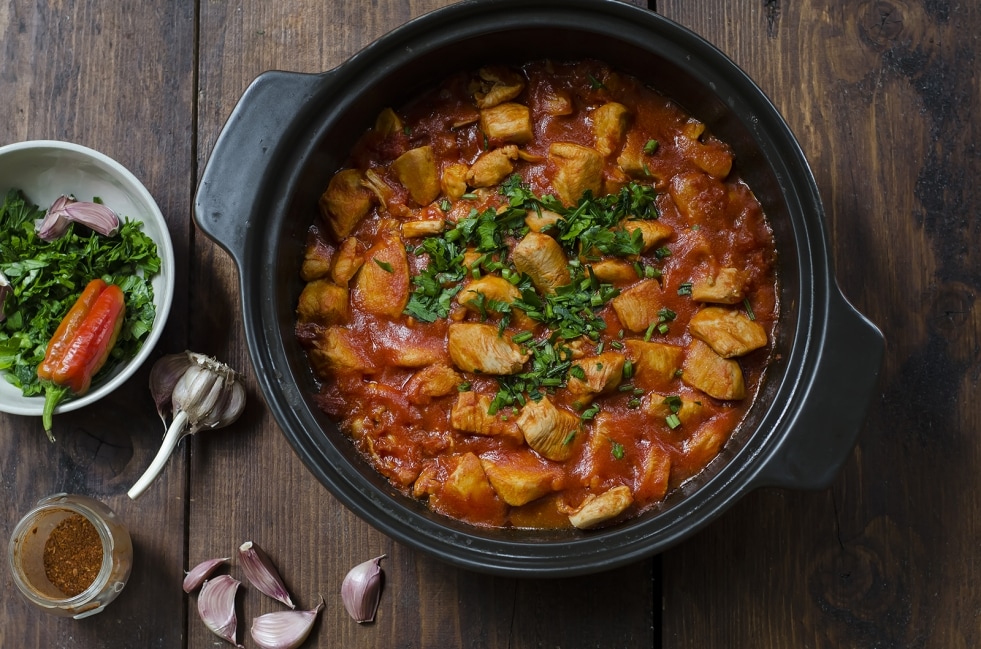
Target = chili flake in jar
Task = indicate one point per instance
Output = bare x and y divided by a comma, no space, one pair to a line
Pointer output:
73,555
539,296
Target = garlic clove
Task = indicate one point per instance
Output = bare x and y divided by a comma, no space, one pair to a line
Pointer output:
164,375
66,210
361,590
196,576
262,574
216,606
284,629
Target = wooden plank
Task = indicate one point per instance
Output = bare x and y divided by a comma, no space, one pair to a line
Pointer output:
279,504
882,96
86,72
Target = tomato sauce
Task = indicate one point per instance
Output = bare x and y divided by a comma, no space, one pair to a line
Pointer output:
678,338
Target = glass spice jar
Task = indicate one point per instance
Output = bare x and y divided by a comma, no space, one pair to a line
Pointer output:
70,555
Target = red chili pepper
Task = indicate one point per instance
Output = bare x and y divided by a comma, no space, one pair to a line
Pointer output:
82,343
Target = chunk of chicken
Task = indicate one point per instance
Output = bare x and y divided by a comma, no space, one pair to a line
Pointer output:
595,375
345,202
437,380
382,286
471,414
548,430
413,355
653,232
655,364
423,228
715,376
492,167
700,198
479,295
576,168
337,350
713,156
478,347
655,474
507,122
347,262
316,261
555,101
520,478
615,271
727,331
610,122
728,286
497,85
323,302
543,260
383,193
416,170
457,486
388,123
453,182
599,509
541,221
688,411
638,306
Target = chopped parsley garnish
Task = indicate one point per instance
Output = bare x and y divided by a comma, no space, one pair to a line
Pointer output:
617,449
587,231
650,147
384,265
685,288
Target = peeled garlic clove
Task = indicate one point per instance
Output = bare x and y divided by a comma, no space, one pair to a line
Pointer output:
262,574
200,572
216,606
361,590
284,629
66,210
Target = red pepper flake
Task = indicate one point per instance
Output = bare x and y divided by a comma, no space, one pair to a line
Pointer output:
73,555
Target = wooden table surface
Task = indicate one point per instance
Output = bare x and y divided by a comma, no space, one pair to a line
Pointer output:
883,96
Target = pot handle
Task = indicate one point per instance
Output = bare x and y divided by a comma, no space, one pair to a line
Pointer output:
247,146
826,428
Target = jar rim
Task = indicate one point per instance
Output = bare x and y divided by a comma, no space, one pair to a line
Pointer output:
84,506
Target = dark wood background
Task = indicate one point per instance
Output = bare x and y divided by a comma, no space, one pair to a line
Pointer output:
883,97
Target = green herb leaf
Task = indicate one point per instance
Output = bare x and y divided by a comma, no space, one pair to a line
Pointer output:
617,449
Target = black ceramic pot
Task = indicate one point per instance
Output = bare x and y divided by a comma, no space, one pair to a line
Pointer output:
290,132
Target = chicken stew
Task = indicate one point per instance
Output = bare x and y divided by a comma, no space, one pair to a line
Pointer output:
538,296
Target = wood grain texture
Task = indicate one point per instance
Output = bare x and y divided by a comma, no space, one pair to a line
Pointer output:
881,95
117,77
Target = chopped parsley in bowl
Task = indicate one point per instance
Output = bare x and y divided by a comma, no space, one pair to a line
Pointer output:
46,277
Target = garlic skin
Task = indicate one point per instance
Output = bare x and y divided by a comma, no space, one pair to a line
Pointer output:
284,629
361,590
262,574
196,576
66,210
205,394
216,606
5,290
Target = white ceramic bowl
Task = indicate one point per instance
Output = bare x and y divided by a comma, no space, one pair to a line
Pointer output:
46,169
